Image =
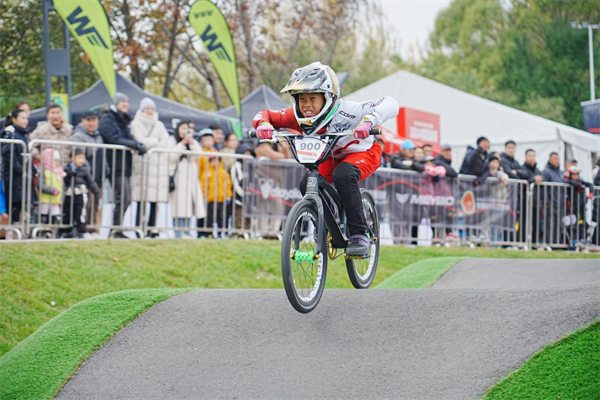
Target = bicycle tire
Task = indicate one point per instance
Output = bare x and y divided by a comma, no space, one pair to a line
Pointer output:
294,272
355,267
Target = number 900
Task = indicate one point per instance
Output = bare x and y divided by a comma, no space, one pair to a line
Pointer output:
310,146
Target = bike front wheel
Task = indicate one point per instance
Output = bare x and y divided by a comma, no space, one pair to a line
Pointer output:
362,271
303,268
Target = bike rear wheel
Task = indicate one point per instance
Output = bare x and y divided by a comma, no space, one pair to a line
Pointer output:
303,269
362,271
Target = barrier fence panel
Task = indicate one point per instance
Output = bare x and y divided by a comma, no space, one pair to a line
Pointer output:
564,216
14,187
205,193
60,202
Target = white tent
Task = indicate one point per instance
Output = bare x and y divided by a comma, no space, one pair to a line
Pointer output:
464,117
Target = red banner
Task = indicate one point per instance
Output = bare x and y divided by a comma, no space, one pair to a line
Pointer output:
419,127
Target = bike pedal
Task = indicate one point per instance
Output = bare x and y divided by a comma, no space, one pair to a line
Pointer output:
357,257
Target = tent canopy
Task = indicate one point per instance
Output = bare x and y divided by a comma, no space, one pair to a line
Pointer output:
262,98
464,117
170,112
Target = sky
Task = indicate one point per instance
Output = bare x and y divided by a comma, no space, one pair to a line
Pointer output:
412,20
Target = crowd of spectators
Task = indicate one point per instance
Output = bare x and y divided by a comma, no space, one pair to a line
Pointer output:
201,186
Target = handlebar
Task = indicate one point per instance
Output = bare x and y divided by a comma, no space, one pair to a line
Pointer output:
373,132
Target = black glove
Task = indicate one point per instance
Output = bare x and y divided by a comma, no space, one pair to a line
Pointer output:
141,149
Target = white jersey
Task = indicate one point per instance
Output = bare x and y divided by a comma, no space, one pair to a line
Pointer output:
350,113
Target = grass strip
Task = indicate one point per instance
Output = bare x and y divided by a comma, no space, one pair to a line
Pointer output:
567,369
419,275
40,280
41,364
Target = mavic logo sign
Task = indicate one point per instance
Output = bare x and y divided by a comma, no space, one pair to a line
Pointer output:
83,29
210,41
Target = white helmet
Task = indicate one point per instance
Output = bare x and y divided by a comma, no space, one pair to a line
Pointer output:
314,78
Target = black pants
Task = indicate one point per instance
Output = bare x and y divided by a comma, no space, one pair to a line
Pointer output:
15,209
79,221
211,218
121,198
345,179
152,216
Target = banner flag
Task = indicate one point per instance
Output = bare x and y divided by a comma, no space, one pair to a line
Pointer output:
210,24
87,21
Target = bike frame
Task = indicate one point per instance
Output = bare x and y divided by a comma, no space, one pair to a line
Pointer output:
314,191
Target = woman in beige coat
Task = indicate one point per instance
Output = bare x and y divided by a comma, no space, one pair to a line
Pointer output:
148,130
186,200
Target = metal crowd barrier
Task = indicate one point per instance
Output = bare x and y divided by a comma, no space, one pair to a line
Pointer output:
220,193
16,223
103,173
563,217
223,194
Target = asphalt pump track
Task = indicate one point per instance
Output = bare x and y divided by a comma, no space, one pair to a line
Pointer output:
483,319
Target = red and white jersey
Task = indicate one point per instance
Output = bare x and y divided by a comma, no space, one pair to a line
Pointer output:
348,114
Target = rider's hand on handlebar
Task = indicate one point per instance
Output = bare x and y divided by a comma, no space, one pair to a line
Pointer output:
265,131
362,130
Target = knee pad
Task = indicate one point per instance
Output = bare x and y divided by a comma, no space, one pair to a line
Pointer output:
345,173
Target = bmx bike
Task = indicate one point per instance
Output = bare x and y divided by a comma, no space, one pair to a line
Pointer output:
316,228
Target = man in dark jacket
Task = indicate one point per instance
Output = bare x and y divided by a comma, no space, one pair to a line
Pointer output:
444,159
554,197
114,128
87,132
406,159
475,162
509,164
531,174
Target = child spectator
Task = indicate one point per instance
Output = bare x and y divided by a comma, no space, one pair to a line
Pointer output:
52,176
215,183
79,182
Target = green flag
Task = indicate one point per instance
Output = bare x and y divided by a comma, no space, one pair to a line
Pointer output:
210,24
88,23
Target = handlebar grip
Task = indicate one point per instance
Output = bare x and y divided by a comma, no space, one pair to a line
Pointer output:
375,131
252,134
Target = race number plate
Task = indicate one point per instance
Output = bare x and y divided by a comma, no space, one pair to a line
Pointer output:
310,149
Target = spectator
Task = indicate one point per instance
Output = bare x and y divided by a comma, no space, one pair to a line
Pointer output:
237,181
12,162
23,105
570,163
3,211
52,176
444,159
552,172
554,200
216,184
428,150
148,130
529,170
231,144
419,155
509,165
87,132
492,170
405,160
54,129
597,177
436,172
185,195
218,135
475,162
114,128
273,151
385,157
79,184
576,202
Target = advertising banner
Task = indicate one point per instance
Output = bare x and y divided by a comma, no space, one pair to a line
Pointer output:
419,126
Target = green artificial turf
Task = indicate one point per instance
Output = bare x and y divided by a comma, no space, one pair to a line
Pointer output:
419,275
41,364
567,369
40,280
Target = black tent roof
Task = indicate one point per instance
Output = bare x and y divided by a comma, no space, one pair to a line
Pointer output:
262,98
170,112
